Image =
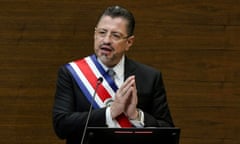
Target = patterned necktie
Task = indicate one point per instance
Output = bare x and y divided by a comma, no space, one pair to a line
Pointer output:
112,73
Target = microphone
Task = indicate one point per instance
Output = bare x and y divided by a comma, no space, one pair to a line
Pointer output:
99,81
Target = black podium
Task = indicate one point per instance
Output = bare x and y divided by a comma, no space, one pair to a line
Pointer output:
160,135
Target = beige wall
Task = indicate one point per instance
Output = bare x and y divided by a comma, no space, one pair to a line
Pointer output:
194,43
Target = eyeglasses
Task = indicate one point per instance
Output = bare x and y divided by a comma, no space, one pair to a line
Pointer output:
115,36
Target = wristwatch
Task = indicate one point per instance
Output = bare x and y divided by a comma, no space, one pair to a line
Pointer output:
139,120
139,116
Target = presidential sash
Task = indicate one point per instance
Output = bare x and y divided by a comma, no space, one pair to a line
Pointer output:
86,72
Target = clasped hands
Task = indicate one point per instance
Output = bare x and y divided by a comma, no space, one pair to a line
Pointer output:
126,100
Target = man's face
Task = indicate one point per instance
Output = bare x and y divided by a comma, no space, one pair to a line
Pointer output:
111,40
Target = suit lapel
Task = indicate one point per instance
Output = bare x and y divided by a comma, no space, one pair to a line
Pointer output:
130,68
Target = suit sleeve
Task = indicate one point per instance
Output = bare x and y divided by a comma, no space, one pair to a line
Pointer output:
160,113
68,119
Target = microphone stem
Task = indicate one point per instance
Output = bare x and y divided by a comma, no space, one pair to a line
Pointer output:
89,113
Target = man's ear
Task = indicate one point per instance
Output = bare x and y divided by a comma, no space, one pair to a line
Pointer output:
130,42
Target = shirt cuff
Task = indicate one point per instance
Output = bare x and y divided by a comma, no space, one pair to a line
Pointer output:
109,121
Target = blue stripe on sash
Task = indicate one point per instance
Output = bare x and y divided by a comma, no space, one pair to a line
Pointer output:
103,72
82,86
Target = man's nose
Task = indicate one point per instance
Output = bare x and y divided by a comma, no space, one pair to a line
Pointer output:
107,38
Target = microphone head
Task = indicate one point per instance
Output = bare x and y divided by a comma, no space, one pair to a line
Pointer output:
100,80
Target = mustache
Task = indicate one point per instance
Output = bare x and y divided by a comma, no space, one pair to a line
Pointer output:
106,45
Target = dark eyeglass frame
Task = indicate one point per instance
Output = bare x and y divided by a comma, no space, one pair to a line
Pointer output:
115,36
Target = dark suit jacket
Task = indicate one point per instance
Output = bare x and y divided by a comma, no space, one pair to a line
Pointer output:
71,108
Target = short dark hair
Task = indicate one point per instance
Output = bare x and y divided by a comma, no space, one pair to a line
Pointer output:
118,11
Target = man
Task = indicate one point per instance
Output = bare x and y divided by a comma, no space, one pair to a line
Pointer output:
133,97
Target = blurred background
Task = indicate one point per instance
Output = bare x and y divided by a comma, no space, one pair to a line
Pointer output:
194,43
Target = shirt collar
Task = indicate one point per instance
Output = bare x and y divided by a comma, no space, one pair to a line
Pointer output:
119,68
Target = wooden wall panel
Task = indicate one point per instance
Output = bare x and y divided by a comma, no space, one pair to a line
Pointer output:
194,43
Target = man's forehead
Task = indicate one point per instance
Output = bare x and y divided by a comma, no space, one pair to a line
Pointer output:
113,23
113,20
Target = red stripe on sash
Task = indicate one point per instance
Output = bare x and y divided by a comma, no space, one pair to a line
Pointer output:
123,121
91,77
